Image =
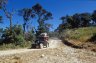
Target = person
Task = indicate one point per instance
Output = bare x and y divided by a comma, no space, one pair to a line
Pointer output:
45,38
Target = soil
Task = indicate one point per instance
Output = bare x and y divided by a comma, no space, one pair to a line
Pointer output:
57,52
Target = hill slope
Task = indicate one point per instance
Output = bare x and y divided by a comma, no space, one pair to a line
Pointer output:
81,34
81,37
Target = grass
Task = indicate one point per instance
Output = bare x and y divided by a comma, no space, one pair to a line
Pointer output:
81,37
13,46
81,34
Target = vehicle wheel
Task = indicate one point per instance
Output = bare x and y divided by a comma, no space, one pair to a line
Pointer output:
41,46
37,47
47,44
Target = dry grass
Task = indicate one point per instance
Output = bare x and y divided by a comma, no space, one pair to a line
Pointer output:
81,34
13,46
81,37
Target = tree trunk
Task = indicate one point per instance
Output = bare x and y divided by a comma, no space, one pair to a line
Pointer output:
10,23
24,28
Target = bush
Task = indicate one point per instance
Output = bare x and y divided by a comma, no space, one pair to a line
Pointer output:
19,40
93,38
15,36
15,39
30,36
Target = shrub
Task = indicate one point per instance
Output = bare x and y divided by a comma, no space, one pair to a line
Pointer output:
19,39
30,36
15,36
93,38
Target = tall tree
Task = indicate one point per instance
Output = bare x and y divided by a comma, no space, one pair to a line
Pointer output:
7,14
63,19
94,17
42,15
2,4
0,19
77,19
85,19
27,14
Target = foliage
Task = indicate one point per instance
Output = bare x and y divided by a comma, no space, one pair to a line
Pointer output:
9,15
16,36
30,36
7,46
3,3
14,46
42,15
14,39
54,34
94,17
0,19
81,34
27,14
77,21
85,19
93,38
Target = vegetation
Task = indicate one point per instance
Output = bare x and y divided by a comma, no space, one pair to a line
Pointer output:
17,36
27,14
77,21
2,5
42,15
80,26
81,34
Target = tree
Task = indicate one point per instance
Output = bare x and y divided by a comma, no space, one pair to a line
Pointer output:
15,37
0,19
42,15
77,19
47,27
85,19
94,17
7,14
63,19
27,14
2,4
64,23
1,31
67,22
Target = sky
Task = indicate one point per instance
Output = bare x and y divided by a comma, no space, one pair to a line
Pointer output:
58,8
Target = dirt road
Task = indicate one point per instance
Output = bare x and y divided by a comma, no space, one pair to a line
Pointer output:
56,53
52,44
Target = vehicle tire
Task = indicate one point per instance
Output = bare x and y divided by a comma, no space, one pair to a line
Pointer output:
47,44
37,47
41,46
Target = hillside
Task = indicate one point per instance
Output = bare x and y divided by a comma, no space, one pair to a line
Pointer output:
83,37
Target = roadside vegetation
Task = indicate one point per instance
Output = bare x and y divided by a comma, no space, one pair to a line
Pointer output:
82,34
80,27
22,36
78,30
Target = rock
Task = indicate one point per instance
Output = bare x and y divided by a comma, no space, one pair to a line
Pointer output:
57,55
42,55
